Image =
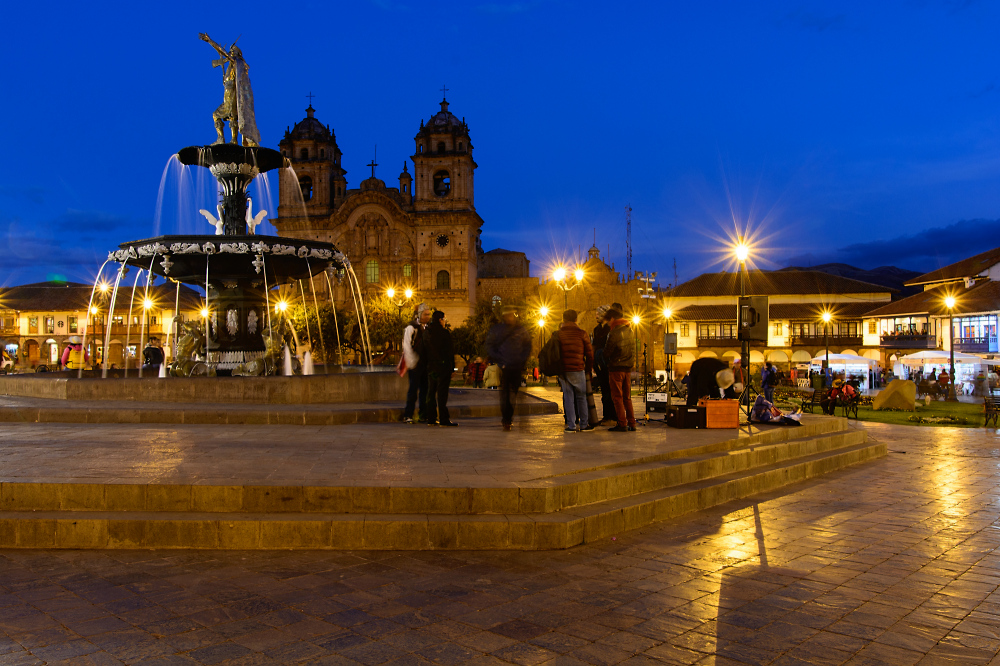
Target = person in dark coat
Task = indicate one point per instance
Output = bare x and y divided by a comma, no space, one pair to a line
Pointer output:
438,352
706,377
508,344
620,355
600,339
577,357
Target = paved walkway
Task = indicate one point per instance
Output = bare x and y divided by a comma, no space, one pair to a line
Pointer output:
893,562
476,454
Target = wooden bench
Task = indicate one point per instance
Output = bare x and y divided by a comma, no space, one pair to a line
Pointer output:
811,403
850,406
991,408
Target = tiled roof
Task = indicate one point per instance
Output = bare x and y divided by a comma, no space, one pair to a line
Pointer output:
984,296
960,269
69,296
774,283
807,311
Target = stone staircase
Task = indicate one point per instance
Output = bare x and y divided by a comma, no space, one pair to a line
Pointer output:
545,513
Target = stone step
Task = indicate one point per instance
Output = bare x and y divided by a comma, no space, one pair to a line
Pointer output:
544,495
395,531
191,414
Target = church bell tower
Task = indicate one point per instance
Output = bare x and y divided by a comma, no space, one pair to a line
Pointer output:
442,164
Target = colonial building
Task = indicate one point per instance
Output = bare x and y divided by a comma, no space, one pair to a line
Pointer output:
920,322
422,234
37,320
703,314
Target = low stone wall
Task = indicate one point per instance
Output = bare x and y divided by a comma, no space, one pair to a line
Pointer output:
338,388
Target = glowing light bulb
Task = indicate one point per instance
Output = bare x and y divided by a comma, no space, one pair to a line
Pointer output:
544,311
560,274
667,312
148,303
578,274
93,309
950,302
742,251
204,312
103,287
281,306
826,317
391,293
635,319
541,323
408,293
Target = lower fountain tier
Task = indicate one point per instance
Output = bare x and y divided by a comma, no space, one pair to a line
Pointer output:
189,258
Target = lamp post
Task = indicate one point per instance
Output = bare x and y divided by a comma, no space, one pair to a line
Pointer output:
742,251
950,303
390,293
669,358
542,314
826,338
559,276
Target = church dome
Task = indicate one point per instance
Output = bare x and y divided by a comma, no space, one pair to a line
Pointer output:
309,127
444,121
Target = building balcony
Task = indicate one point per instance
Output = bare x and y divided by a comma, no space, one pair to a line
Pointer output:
717,340
908,341
820,341
976,345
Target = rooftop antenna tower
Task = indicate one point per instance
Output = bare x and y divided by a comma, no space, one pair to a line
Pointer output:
628,241
675,271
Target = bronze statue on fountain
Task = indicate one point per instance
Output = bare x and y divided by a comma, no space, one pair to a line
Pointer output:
235,265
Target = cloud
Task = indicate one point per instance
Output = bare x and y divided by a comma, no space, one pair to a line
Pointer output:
32,194
924,251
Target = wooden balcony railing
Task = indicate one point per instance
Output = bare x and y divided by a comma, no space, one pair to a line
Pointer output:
909,341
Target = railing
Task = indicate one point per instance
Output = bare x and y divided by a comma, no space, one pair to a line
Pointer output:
717,340
976,345
909,341
820,341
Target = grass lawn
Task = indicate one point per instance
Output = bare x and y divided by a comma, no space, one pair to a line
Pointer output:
970,413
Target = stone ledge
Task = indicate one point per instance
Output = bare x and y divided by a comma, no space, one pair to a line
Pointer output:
564,529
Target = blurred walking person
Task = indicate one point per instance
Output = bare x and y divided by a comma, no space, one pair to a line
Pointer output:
508,344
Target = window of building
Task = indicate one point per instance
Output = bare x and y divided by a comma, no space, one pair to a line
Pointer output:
407,270
322,153
871,327
73,323
420,148
461,147
685,330
706,330
304,153
371,272
50,324
306,184
32,324
442,183
443,280
440,146
778,328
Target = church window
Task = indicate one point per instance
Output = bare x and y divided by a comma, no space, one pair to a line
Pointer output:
443,280
442,183
371,272
440,146
322,153
306,185
420,148
461,147
304,153
407,270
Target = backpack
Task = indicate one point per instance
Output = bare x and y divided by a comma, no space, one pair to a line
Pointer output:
550,357
772,378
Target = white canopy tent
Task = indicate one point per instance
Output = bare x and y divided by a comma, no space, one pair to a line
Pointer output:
845,359
936,356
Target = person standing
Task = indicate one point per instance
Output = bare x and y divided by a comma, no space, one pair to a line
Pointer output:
476,371
508,344
768,380
440,359
600,338
415,367
152,355
577,356
619,352
73,356
491,378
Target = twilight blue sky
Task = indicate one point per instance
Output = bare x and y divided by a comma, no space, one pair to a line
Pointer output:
865,132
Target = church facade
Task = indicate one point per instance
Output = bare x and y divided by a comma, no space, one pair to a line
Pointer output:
423,234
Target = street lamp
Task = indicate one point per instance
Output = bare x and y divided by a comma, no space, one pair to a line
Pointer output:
826,339
391,295
559,276
950,303
667,316
742,252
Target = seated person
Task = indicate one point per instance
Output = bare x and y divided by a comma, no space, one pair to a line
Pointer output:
838,394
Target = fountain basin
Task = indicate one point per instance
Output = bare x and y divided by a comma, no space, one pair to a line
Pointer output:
347,387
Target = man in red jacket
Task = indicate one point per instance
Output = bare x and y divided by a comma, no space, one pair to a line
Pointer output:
577,357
